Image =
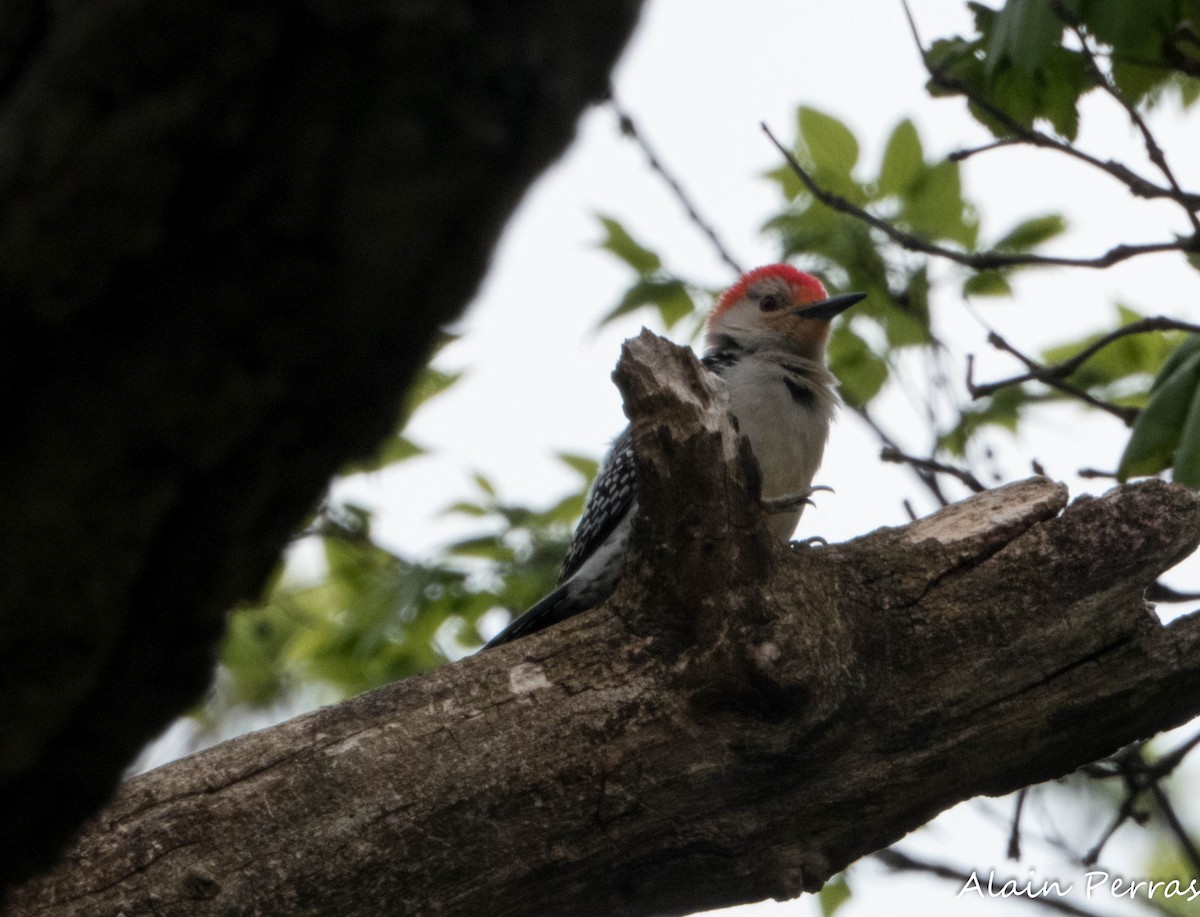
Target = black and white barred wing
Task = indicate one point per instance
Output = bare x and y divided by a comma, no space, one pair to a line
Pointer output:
610,500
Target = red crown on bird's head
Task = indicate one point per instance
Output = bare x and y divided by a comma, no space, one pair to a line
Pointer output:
811,289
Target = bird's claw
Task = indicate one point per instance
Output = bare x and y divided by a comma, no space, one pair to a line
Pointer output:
790,502
813,541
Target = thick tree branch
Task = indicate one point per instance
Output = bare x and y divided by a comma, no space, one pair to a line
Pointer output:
740,720
231,230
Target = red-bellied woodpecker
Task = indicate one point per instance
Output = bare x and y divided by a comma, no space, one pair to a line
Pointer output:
766,338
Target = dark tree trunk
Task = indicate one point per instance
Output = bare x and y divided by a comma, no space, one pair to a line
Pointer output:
740,720
231,229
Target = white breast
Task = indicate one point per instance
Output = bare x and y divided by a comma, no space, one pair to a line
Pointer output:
785,411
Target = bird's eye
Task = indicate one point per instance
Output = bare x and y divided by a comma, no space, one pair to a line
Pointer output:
768,303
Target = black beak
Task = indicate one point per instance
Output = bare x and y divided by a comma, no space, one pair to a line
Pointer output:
828,308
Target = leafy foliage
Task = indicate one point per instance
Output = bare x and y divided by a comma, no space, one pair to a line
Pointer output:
833,895
1017,70
1167,432
653,288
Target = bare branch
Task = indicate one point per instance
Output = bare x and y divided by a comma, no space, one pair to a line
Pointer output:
1068,367
892,454
1141,777
1014,836
980,261
925,476
1186,844
629,129
1037,372
1056,374
965,154
1168,762
896,861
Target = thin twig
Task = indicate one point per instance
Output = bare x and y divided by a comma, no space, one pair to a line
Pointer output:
901,862
1126,415
928,478
964,154
1014,836
1068,367
980,261
1186,844
892,454
629,129
1124,814
1096,474
1168,762
1142,776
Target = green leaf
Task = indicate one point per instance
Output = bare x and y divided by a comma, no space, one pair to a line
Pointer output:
618,241
1002,409
1030,233
987,283
1064,78
1135,355
1180,355
669,297
860,371
935,209
830,143
486,546
907,324
789,182
903,159
1156,434
566,510
428,384
1023,34
395,449
1188,88
833,895
484,484
1186,467
465,508
585,466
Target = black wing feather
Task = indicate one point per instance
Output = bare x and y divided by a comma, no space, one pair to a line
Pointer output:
610,499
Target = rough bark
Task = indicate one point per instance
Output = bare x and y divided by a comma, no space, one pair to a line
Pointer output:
740,720
231,230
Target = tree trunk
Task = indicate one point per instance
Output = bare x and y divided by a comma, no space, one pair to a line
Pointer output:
740,720
231,230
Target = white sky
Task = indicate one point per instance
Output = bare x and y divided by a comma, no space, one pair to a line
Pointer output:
698,78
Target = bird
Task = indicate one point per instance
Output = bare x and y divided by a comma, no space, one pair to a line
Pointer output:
766,338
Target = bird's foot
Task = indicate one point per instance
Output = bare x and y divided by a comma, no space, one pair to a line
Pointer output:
812,541
792,502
